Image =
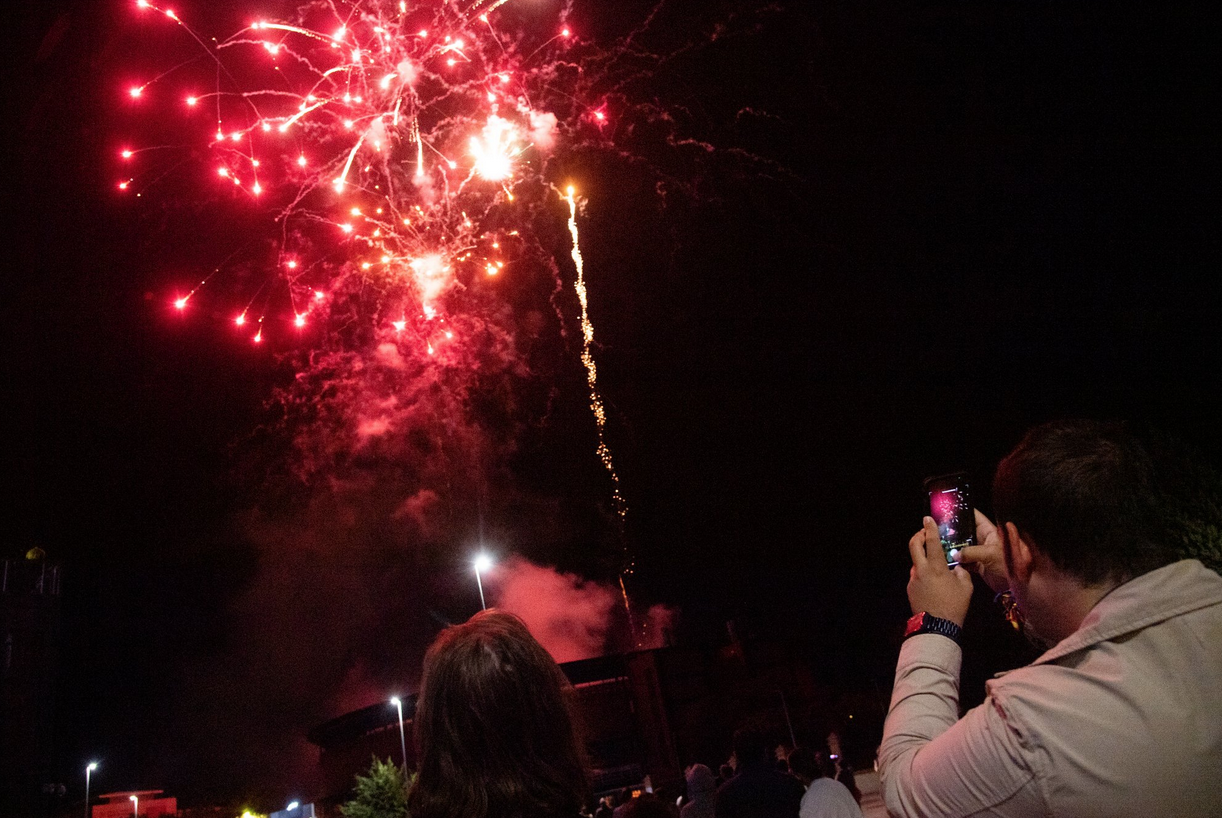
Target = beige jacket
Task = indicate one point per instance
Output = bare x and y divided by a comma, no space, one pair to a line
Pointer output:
1122,718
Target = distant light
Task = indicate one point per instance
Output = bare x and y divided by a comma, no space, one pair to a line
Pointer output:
136,92
93,765
180,303
293,805
482,562
299,320
396,701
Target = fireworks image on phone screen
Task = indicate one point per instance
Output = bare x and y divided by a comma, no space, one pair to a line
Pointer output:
950,505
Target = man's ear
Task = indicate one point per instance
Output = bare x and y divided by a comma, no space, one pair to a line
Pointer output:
1019,557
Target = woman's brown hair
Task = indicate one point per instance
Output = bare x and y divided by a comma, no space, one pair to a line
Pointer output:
493,731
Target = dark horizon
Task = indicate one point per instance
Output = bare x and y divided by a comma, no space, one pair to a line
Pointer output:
924,230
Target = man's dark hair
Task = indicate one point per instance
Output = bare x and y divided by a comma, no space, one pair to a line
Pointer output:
494,735
1088,495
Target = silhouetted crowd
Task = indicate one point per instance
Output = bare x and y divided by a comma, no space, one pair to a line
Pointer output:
797,782
754,781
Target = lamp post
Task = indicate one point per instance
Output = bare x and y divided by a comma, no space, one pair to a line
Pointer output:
135,804
397,702
93,765
482,562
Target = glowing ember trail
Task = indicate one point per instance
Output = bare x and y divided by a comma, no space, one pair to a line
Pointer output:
587,360
596,401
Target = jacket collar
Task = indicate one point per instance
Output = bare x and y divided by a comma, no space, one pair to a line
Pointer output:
1166,592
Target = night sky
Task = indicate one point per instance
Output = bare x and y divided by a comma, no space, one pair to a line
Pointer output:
922,229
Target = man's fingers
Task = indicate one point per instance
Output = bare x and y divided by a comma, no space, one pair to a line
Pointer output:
933,542
984,526
970,554
916,547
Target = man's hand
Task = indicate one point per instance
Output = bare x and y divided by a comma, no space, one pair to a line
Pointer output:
933,586
986,560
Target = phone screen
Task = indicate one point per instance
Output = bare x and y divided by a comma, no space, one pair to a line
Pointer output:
950,505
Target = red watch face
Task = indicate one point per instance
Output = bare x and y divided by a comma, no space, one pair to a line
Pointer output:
914,624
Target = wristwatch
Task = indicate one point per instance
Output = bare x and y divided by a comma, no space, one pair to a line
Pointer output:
922,622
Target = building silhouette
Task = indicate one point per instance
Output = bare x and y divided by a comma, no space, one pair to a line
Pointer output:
29,647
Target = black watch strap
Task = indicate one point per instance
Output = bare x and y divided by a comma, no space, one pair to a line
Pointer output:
925,623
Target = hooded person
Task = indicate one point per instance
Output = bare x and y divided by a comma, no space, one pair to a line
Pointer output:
701,792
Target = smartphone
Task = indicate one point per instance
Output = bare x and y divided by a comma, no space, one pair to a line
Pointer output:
950,505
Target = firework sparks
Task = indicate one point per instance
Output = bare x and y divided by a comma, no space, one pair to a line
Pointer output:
380,140
392,149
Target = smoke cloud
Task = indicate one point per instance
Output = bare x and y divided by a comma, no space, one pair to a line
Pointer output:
569,616
573,617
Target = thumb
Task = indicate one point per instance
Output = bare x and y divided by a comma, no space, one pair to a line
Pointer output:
969,554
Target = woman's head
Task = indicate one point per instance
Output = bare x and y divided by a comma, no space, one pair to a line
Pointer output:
494,736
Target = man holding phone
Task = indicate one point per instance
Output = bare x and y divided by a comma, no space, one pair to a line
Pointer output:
1122,715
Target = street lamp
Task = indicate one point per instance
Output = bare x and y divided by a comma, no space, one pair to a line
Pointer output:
93,765
482,562
135,804
397,702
